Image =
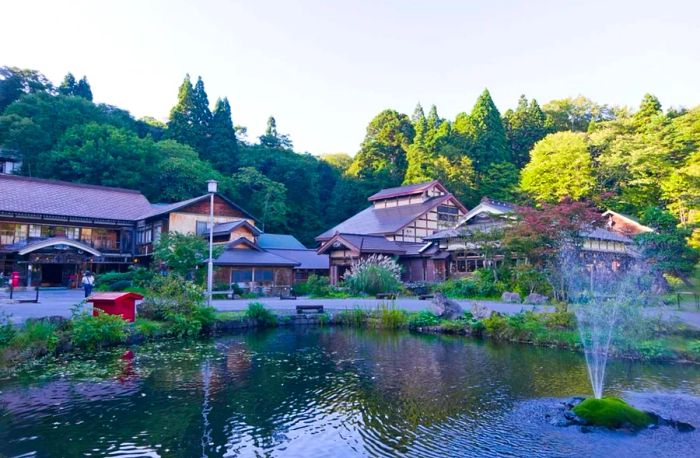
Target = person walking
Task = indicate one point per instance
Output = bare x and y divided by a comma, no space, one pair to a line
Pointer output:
88,282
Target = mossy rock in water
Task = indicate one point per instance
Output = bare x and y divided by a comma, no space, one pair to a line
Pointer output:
612,412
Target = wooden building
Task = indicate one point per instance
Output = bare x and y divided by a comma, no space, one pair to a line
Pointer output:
396,224
51,231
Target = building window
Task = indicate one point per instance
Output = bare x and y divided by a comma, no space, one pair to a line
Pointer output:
202,227
241,275
86,235
34,231
264,275
73,233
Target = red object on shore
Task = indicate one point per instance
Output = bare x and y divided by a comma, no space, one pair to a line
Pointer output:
123,304
14,279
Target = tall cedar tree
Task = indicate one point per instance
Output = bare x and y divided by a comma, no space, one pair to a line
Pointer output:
273,139
418,155
79,89
180,124
222,150
67,86
485,130
82,89
524,127
201,116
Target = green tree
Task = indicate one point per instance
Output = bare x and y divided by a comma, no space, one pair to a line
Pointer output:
560,166
381,160
648,109
339,161
83,89
273,139
265,198
201,117
666,249
103,155
68,85
181,253
500,182
14,82
524,127
576,113
222,150
485,131
182,174
181,122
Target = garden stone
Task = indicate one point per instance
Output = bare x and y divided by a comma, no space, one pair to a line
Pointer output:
480,311
534,298
510,298
446,308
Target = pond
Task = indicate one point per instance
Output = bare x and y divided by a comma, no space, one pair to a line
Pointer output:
332,392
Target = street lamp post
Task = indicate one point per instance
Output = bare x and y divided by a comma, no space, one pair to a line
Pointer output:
211,187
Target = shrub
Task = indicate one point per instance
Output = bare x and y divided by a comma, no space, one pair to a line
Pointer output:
526,280
181,325
496,326
453,326
148,328
94,332
7,331
390,318
694,348
652,349
257,311
39,336
480,284
352,317
315,285
422,319
374,275
171,294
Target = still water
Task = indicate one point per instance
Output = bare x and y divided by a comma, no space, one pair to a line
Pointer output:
332,392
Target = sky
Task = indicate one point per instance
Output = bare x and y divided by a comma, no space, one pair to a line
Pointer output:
324,69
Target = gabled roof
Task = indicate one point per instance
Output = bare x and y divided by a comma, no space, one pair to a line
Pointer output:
380,221
227,228
307,259
490,206
363,243
408,190
19,194
162,209
603,234
58,241
238,257
628,220
280,241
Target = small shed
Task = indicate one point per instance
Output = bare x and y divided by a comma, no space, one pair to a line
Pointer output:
115,303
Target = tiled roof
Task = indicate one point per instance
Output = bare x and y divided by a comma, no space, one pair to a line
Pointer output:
377,221
245,257
226,228
403,190
280,241
47,197
307,259
161,209
602,234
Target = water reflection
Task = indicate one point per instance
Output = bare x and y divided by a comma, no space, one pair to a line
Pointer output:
331,392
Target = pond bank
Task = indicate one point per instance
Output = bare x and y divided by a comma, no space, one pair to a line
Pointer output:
52,336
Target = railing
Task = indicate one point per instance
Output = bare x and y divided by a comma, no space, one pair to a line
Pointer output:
12,241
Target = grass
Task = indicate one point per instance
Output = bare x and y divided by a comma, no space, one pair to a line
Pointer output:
612,412
230,316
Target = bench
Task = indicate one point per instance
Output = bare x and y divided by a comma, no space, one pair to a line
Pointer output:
423,297
386,296
309,308
288,297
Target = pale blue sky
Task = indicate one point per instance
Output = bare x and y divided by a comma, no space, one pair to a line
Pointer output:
325,68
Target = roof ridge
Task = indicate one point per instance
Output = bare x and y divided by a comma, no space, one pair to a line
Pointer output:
69,183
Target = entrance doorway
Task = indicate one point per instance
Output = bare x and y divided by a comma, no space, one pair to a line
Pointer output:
52,274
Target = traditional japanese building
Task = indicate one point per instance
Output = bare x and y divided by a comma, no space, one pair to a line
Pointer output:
463,243
396,224
467,243
51,231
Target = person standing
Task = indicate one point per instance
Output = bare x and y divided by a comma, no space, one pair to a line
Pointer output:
88,282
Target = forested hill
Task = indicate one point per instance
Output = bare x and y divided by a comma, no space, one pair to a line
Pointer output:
620,158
